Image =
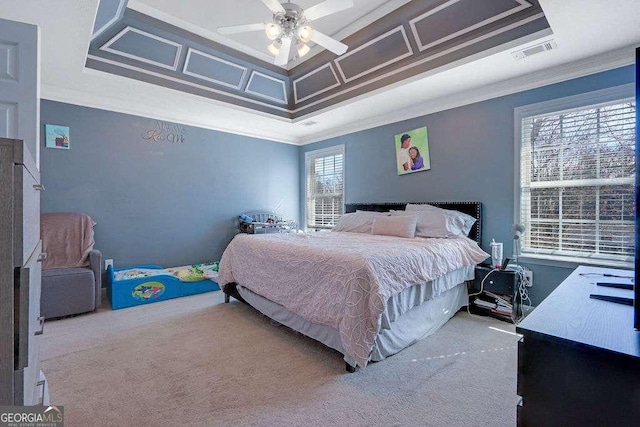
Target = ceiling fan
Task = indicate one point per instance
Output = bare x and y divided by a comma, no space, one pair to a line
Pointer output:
290,25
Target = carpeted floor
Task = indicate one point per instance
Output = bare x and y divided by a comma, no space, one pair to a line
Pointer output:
196,361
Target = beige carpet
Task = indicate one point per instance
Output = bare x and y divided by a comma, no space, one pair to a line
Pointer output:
196,361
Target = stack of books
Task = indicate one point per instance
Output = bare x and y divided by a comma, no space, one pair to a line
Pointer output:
500,305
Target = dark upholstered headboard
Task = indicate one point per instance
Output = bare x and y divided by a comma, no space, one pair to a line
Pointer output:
470,208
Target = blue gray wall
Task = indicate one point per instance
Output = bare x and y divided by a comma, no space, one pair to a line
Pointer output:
176,203
162,202
472,158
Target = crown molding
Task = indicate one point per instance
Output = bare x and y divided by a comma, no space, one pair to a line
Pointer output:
584,67
92,100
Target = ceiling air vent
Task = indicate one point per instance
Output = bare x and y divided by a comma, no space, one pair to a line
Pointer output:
309,123
534,50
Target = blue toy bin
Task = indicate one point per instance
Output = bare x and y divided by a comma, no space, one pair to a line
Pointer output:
145,290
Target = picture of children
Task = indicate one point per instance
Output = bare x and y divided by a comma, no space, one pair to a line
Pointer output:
417,162
404,159
412,151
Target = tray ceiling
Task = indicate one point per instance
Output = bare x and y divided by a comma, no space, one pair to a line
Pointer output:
414,38
66,28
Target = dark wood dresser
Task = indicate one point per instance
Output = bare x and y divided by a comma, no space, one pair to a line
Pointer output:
579,358
21,381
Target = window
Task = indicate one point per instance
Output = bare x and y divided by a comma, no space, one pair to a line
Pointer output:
577,165
325,187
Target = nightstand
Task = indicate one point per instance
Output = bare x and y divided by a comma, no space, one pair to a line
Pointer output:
500,297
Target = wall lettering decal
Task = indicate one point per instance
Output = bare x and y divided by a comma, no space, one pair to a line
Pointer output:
166,132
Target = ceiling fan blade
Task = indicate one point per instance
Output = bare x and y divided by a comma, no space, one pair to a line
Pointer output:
274,6
327,7
329,43
285,51
242,28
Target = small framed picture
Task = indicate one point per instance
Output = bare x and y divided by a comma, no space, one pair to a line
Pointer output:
56,136
412,151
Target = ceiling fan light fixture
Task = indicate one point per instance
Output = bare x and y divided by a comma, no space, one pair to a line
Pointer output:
273,30
303,49
305,33
274,48
290,29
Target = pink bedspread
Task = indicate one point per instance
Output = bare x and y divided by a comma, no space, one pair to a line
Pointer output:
341,280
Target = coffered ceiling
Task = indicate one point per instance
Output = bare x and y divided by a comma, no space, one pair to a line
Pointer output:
164,59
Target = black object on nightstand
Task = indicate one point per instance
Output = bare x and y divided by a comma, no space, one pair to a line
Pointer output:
500,297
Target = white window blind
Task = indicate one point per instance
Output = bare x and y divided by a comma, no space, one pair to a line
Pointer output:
324,187
577,182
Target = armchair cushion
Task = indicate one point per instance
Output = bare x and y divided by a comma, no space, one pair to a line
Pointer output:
67,291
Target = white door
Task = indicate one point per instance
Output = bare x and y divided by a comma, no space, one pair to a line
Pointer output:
19,119
19,84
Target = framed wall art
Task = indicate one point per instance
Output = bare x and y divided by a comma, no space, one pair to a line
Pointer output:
412,151
56,136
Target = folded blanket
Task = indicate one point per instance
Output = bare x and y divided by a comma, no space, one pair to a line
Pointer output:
67,239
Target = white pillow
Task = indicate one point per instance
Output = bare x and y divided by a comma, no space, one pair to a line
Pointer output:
459,223
356,222
399,226
430,224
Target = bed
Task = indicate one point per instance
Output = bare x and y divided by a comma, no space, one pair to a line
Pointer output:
366,296
149,283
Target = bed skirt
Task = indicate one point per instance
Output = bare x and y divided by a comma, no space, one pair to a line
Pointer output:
411,326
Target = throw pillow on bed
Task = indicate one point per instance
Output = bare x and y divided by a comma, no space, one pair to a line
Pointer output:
356,222
399,226
430,224
458,223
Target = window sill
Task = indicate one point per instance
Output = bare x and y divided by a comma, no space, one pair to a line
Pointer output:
571,262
